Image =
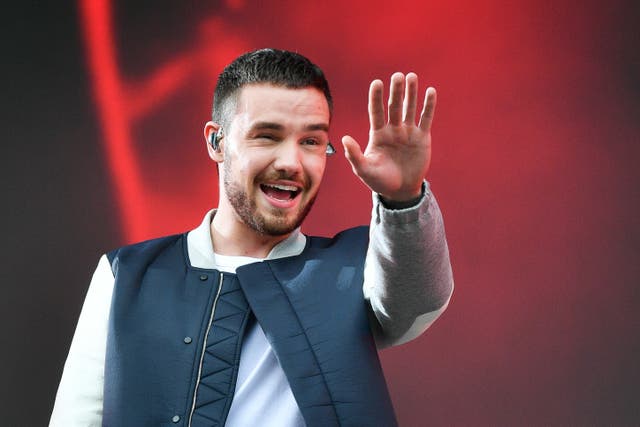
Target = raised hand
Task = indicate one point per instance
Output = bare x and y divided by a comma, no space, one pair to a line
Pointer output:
398,153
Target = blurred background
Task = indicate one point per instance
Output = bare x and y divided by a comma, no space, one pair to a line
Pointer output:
535,165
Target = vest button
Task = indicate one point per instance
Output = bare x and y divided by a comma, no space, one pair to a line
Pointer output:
175,418
187,340
203,277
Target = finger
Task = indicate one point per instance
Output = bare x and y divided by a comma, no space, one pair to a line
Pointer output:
410,99
429,109
353,153
376,105
395,98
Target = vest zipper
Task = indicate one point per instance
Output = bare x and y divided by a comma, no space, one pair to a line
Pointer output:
204,349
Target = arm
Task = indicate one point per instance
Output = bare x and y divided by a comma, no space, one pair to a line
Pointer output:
79,398
408,279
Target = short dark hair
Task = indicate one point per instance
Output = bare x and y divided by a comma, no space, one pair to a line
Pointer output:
277,67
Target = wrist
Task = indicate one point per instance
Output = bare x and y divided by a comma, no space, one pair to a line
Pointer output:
403,202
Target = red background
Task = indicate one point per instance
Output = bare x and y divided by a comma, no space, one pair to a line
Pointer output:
534,165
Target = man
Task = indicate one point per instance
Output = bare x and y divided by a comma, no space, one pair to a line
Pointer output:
245,321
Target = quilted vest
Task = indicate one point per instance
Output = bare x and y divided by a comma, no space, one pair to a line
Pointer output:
175,334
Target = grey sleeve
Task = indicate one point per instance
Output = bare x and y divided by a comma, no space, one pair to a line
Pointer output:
407,278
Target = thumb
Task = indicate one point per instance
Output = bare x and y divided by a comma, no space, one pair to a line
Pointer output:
353,153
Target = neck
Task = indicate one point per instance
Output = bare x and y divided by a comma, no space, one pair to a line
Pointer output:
231,236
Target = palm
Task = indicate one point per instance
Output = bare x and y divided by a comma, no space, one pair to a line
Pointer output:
398,153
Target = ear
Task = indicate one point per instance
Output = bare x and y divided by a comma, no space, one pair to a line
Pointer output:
211,128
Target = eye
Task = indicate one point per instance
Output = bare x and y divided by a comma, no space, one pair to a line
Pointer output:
266,136
310,141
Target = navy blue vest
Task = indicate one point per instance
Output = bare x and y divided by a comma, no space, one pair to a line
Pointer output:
175,334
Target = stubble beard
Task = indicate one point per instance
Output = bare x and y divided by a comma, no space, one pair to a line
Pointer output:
246,209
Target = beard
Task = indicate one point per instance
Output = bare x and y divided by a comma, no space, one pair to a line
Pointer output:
276,224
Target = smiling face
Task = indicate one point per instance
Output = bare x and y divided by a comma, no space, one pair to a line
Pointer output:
273,157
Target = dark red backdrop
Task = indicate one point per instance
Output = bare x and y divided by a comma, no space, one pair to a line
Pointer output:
535,151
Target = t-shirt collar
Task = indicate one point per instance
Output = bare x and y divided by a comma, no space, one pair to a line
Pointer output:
200,246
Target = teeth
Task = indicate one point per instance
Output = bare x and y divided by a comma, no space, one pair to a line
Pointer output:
283,187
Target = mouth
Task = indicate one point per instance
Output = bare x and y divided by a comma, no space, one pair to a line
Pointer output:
280,192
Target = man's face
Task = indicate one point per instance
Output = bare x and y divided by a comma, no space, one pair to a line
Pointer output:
274,156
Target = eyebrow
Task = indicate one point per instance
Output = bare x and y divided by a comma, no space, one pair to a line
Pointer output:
278,127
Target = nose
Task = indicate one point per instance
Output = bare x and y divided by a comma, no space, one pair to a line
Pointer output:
288,158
